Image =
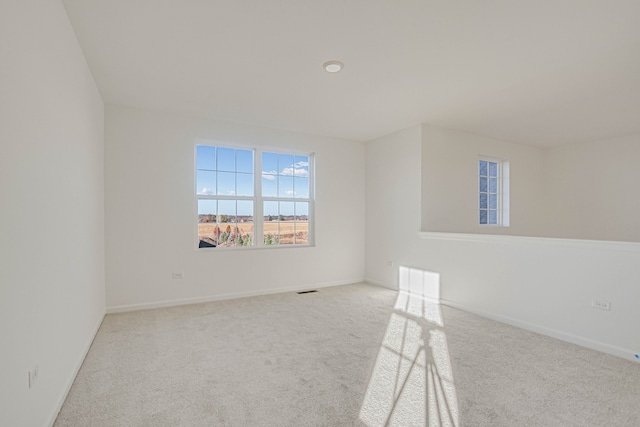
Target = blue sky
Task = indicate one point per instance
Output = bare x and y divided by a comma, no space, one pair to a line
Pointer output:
229,172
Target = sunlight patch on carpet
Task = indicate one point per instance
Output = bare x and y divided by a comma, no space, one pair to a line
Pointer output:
412,382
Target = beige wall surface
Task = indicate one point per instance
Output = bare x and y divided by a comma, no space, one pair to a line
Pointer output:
52,291
151,213
592,190
450,183
393,201
546,285
578,191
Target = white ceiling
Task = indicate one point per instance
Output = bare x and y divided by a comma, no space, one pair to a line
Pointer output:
541,72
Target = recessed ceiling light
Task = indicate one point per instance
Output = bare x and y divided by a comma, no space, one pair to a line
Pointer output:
333,66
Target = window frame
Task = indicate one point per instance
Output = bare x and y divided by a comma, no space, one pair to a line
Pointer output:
502,192
257,198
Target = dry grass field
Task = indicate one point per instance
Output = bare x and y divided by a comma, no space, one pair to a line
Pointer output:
286,230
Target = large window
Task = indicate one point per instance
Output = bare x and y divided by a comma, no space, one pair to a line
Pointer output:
250,197
493,192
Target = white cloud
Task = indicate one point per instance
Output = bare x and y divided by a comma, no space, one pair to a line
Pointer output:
295,172
206,191
299,169
231,193
289,193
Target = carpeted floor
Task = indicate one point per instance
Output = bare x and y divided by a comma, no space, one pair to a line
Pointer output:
355,355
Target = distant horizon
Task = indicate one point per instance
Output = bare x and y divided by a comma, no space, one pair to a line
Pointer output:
247,217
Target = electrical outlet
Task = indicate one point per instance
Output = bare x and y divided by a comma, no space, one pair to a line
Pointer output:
601,305
33,376
178,275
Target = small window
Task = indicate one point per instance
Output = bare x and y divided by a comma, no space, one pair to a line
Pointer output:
493,192
247,197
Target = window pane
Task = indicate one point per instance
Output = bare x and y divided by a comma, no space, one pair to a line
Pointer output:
493,185
226,159
271,234
287,233
301,187
269,185
205,157
285,164
244,184
226,183
302,211
483,168
244,161
226,211
287,223
244,224
483,201
483,184
270,211
493,169
493,217
483,216
302,223
286,210
208,208
270,226
301,165
207,222
270,163
245,210
226,222
285,186
493,201
206,182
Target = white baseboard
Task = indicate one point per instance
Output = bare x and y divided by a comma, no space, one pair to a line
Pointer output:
543,330
79,363
564,336
233,295
377,283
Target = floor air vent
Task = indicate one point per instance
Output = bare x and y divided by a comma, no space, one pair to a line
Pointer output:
306,292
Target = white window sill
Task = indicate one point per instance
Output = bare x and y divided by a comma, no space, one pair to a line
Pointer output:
250,248
494,238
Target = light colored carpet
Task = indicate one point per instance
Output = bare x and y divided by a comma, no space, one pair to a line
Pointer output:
353,355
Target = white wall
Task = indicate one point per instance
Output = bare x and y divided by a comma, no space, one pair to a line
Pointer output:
593,189
450,183
150,214
393,204
52,294
541,284
576,191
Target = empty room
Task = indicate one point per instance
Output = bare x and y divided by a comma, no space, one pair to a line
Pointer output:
319,213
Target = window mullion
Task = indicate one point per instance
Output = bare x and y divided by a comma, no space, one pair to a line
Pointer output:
312,197
258,204
285,199
499,197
